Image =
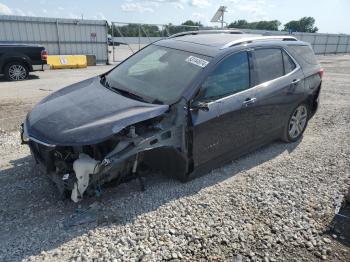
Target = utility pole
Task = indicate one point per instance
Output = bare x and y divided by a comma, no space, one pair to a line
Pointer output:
219,16
222,20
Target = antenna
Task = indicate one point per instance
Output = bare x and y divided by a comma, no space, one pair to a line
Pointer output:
219,16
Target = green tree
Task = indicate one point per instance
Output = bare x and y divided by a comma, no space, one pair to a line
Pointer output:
259,25
171,29
239,24
134,30
268,25
305,24
192,23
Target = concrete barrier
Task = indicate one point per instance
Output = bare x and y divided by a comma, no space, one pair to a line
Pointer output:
91,60
67,61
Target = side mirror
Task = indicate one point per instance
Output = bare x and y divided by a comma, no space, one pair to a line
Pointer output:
197,105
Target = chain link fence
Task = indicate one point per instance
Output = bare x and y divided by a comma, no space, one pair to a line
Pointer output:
322,43
127,38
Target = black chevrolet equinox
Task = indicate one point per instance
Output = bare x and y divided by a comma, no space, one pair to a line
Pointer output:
181,105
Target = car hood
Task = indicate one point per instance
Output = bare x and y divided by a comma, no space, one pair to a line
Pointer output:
85,113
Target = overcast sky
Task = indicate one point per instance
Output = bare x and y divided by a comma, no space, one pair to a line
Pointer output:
331,16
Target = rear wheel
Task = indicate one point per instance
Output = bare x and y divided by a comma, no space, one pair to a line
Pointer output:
297,123
16,71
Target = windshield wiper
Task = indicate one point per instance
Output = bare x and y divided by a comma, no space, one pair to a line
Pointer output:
123,92
128,93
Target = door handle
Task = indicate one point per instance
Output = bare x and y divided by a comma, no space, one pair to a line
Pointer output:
295,81
249,101
293,86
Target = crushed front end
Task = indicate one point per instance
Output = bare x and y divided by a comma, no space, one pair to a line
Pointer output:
159,143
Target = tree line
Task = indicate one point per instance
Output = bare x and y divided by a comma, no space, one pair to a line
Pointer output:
305,24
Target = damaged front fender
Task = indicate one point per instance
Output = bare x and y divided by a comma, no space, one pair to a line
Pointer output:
160,143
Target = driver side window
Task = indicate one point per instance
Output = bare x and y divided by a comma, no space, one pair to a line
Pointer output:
231,76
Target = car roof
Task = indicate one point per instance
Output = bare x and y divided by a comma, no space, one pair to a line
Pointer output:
214,44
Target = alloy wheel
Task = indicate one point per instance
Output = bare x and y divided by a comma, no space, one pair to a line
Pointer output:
297,122
17,72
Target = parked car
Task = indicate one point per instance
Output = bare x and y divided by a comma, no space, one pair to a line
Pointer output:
183,105
17,60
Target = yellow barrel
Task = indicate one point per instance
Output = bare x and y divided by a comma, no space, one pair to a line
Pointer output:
67,61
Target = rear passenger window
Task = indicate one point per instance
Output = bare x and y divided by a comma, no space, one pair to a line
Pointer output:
305,52
231,76
289,65
269,64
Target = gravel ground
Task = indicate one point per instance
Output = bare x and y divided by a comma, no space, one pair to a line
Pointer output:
272,205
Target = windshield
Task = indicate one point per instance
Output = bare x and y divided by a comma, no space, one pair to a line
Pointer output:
157,73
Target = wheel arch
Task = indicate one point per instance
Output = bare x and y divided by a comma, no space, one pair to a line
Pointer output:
169,160
16,59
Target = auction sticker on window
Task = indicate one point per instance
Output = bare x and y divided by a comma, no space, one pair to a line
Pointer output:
197,61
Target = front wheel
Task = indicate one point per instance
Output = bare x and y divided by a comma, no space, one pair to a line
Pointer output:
297,123
16,71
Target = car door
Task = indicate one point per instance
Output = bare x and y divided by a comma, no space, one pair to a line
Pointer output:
280,88
223,112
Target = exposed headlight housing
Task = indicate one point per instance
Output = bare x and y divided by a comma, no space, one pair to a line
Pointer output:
24,134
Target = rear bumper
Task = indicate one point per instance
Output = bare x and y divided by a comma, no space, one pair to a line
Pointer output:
40,67
315,102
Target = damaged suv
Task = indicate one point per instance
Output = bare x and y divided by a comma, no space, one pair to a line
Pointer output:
182,105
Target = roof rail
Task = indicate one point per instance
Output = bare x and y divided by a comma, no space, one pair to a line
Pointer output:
200,32
258,38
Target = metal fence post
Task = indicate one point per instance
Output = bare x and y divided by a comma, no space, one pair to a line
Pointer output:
325,48
347,45
139,28
167,30
314,42
113,41
336,50
58,38
107,29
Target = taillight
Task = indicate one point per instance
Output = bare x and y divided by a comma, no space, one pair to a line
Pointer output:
321,72
44,55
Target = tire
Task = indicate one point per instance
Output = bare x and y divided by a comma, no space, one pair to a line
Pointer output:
16,71
297,123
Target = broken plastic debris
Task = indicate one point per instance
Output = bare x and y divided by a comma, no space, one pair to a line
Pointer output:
65,176
83,167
